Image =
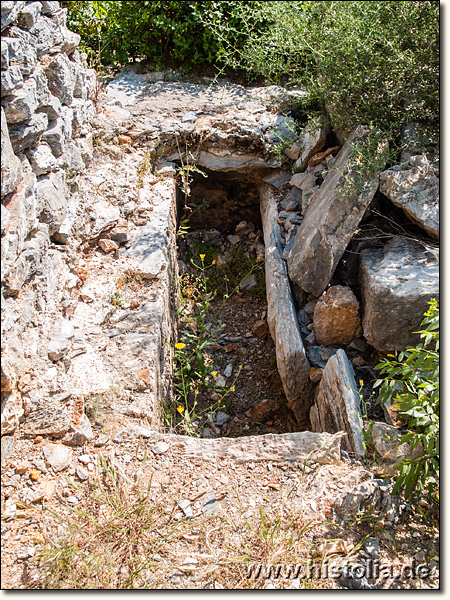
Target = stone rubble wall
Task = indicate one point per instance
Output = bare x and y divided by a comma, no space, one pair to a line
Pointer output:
47,102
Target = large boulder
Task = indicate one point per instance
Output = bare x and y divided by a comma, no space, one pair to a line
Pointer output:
336,317
27,135
11,166
416,139
397,282
51,192
332,218
61,78
22,103
414,187
9,13
337,405
313,138
292,362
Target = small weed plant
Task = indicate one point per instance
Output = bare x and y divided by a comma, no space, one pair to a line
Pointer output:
112,544
410,383
195,371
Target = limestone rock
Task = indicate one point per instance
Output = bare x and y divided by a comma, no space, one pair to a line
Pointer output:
24,207
42,160
10,10
292,362
337,404
79,434
28,15
375,494
55,138
416,140
22,103
27,135
21,51
336,317
5,217
415,188
49,7
106,215
53,420
58,456
47,35
61,78
7,447
60,341
321,448
303,181
11,411
397,282
51,191
330,221
29,261
108,245
10,79
71,159
146,245
64,230
119,233
313,139
11,165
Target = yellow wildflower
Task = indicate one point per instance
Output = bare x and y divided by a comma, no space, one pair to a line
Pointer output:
214,374
202,256
180,409
180,346
361,382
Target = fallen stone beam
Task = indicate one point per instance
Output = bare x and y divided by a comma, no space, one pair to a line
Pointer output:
292,362
321,448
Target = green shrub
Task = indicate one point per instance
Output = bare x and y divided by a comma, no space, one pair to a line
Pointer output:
166,33
368,61
411,384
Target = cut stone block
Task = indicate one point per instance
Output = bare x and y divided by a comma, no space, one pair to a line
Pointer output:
292,362
330,221
337,405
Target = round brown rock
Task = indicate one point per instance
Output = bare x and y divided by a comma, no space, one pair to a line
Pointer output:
336,317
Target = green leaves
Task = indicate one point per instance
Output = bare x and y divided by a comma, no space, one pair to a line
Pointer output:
411,384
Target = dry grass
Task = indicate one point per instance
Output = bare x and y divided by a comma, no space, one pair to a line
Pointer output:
126,540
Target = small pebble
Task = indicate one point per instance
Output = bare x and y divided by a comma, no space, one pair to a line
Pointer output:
84,459
160,448
72,500
101,440
81,473
229,370
40,464
420,556
34,474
